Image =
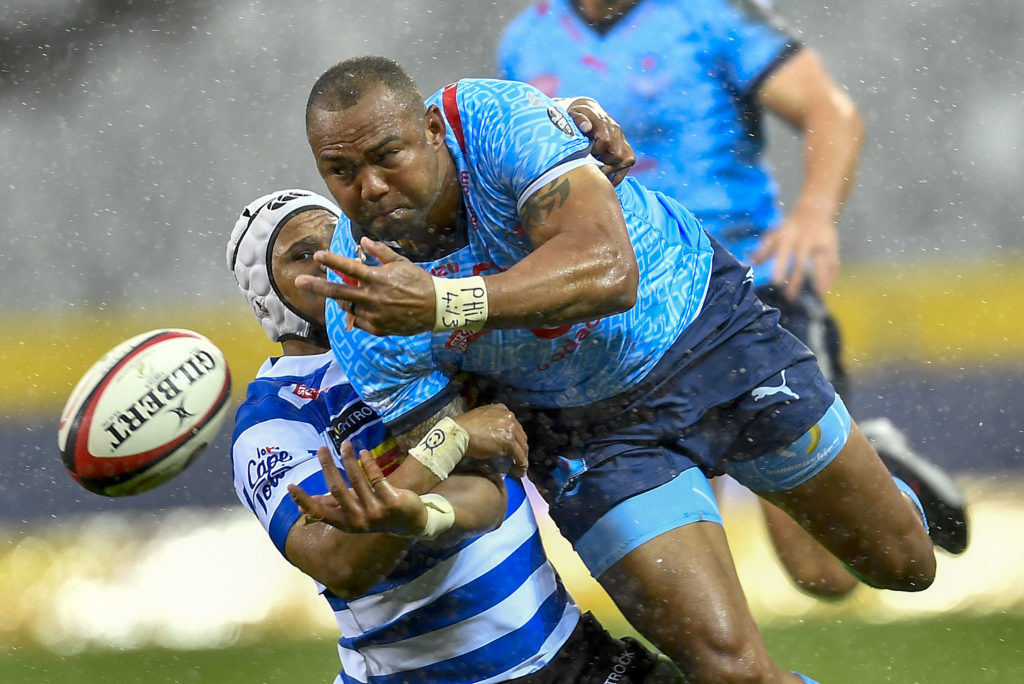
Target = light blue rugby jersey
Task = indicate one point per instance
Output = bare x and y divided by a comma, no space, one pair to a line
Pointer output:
680,78
488,609
507,140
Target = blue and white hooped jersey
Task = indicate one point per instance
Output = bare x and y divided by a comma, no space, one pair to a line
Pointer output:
488,609
680,78
508,140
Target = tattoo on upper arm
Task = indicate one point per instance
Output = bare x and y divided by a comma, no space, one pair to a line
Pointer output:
546,200
412,436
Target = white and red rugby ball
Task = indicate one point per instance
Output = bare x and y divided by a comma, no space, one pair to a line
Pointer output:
144,411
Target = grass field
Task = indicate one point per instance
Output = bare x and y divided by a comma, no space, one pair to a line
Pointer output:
946,650
200,596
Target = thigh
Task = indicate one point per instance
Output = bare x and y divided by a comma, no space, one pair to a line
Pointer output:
681,591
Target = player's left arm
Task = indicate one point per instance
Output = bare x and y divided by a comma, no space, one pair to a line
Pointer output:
802,93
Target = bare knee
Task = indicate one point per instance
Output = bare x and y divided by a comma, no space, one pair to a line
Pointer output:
901,567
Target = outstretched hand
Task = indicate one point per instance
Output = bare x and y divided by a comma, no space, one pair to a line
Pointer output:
610,145
800,243
494,431
395,298
371,504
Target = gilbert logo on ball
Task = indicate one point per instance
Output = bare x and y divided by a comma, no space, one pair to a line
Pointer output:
144,411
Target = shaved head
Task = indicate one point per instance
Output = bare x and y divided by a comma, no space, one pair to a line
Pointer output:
345,84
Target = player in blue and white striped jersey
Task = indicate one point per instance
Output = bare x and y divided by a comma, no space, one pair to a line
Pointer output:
476,605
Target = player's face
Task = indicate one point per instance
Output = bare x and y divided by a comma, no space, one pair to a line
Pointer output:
292,256
381,162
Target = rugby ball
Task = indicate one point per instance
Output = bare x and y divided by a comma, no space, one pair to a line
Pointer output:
144,411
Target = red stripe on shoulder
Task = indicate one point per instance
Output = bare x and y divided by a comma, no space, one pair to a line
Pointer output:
451,112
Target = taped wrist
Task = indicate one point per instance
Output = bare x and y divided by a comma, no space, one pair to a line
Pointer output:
459,303
440,517
442,447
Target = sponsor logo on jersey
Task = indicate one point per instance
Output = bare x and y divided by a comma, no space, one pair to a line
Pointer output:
464,181
265,470
460,340
305,391
446,269
480,268
561,123
815,433
568,346
620,667
350,421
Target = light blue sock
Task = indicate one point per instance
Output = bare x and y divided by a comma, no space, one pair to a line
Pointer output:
805,678
905,488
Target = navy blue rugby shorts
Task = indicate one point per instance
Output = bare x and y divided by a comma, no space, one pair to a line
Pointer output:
734,387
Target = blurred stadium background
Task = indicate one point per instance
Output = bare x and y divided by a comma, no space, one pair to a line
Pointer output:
133,133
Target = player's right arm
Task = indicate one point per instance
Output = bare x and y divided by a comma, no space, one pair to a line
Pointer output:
802,93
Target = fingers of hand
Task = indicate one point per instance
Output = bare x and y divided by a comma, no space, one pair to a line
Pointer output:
582,115
380,251
331,473
341,265
582,122
615,174
343,294
357,477
378,482
305,503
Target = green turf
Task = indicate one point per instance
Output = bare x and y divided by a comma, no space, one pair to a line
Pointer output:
299,662
946,650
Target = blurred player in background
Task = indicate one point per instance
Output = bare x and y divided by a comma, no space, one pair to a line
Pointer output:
689,83
407,551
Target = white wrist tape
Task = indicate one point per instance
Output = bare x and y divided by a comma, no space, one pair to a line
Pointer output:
442,448
440,517
459,303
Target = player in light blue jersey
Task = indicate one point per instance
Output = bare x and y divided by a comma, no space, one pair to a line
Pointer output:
689,82
474,606
479,236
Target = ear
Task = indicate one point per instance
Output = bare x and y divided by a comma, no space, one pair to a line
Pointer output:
434,126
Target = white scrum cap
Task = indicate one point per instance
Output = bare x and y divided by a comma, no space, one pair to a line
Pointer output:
249,258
